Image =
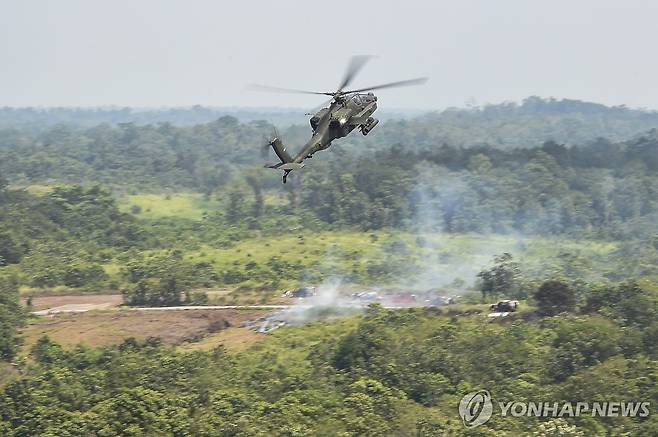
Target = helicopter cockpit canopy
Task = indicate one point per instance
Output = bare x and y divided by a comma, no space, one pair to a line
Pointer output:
363,99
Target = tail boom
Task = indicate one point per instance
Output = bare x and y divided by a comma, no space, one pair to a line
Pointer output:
287,163
280,150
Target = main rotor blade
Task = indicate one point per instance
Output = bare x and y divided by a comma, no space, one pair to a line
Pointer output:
274,89
355,65
418,81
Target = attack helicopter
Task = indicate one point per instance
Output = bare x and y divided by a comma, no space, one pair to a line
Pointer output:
347,110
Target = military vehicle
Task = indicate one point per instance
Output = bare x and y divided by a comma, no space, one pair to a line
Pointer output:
347,110
301,292
504,306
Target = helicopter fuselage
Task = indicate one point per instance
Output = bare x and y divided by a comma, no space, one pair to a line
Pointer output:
339,119
348,110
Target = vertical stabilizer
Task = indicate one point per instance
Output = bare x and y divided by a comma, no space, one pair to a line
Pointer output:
280,150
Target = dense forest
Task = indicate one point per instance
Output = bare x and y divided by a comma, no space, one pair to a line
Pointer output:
602,186
535,120
509,124
40,119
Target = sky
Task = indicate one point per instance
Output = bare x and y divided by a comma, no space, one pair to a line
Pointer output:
164,53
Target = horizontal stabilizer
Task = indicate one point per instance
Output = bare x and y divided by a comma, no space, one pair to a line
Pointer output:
291,166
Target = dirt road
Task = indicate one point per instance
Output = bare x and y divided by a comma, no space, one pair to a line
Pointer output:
83,308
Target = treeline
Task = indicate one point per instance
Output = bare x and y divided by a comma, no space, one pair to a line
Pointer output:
207,154
504,125
142,157
385,373
606,190
63,237
602,188
11,317
528,124
40,119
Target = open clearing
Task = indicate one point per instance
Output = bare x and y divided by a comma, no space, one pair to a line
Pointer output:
112,327
183,205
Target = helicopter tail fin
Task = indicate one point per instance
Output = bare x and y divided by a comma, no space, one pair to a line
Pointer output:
287,163
280,151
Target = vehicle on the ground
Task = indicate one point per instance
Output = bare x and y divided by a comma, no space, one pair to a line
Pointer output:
301,292
504,306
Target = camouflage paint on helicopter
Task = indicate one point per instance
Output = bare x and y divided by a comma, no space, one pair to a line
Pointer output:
347,110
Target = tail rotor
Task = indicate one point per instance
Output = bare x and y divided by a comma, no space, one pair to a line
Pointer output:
268,142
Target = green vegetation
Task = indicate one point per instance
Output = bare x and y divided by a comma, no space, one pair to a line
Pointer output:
530,123
600,189
384,373
509,201
11,317
434,218
508,124
189,206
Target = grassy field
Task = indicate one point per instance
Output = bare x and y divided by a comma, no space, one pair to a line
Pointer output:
413,261
386,257
432,258
185,205
190,206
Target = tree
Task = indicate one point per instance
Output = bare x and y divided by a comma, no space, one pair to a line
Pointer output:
46,351
554,297
580,343
255,181
11,252
11,316
170,292
237,208
629,302
502,278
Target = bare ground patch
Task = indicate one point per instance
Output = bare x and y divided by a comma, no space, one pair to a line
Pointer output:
234,339
112,327
103,300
